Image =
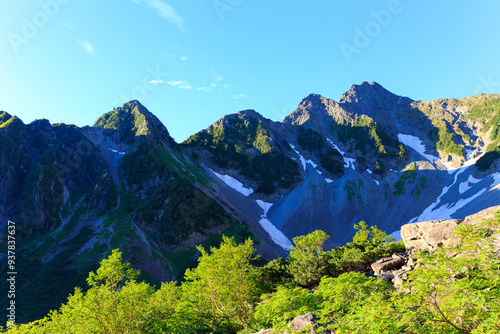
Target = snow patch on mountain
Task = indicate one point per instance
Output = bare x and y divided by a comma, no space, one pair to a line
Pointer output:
276,235
234,184
348,162
115,151
430,212
264,205
446,211
302,160
464,186
469,153
416,144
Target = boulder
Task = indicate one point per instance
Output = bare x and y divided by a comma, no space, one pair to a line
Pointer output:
266,331
389,263
306,321
399,276
429,235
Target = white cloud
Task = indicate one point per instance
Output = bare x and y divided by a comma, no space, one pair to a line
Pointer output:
89,48
156,82
180,84
184,58
239,96
205,89
164,11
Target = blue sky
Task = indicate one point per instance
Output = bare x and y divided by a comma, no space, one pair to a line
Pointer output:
191,62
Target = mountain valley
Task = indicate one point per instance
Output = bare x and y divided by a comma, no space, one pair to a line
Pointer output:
75,193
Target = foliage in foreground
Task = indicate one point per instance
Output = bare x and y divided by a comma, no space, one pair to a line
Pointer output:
454,290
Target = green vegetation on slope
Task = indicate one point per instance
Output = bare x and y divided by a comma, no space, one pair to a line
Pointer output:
244,144
408,175
446,142
127,121
454,289
484,109
177,209
218,296
312,141
372,142
488,111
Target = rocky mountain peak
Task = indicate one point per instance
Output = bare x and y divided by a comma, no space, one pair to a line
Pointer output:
133,121
250,113
313,106
368,92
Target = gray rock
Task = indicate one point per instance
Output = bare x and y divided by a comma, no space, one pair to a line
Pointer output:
389,263
306,321
429,235
266,331
399,276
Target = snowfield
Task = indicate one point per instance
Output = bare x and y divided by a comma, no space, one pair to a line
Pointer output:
115,151
276,235
235,184
305,162
416,144
302,160
464,186
446,211
265,206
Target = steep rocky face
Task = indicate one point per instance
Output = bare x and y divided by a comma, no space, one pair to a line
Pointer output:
374,101
43,165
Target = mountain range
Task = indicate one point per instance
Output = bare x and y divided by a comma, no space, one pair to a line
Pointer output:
76,193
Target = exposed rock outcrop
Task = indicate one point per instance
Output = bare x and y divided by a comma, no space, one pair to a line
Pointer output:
307,322
425,236
389,263
429,235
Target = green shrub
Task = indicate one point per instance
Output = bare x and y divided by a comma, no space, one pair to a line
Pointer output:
310,140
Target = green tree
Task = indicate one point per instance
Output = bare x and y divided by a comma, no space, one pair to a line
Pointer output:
369,236
343,298
221,291
163,316
306,260
114,304
277,309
